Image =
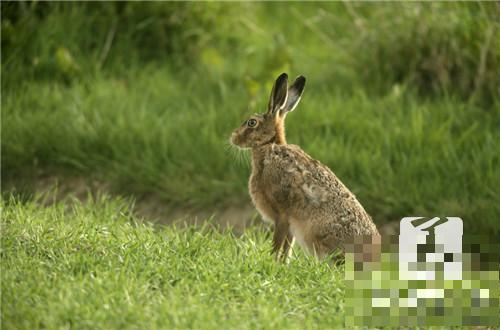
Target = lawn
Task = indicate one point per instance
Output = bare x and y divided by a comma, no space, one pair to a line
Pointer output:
96,266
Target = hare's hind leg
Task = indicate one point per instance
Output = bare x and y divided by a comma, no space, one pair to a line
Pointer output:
282,240
287,247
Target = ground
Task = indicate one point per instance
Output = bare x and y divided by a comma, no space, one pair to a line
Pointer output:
97,266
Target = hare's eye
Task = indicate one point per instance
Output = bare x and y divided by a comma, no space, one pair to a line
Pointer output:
251,122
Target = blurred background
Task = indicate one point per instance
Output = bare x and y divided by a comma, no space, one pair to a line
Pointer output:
139,99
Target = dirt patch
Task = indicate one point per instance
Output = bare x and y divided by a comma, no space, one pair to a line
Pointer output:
148,207
236,217
152,208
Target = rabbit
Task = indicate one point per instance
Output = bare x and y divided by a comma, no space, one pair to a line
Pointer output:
303,197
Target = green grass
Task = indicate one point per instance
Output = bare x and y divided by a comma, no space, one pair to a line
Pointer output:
152,115
401,102
96,266
399,154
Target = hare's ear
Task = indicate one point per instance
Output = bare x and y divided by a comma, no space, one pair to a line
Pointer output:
278,97
294,93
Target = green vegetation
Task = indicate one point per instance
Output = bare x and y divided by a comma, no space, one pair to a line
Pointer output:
143,97
402,102
97,267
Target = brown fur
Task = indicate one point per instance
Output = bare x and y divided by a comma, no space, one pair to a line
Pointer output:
303,197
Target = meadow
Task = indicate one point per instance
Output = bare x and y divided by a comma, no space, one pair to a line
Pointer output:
401,102
96,266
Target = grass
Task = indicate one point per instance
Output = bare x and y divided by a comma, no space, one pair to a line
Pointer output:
142,121
401,102
144,99
96,266
399,154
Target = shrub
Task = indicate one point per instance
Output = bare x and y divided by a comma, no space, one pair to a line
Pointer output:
435,47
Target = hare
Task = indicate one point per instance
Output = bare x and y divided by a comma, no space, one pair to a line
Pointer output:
303,197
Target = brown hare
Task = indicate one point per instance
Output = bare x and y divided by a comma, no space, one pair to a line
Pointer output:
303,197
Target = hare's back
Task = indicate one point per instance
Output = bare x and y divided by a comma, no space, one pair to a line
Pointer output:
293,177
290,163
313,187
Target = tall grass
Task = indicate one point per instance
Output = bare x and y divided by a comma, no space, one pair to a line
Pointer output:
401,100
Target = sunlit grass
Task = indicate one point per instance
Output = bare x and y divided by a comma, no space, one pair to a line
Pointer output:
96,266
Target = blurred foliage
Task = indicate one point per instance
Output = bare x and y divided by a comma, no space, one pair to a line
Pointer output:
40,39
435,48
401,99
